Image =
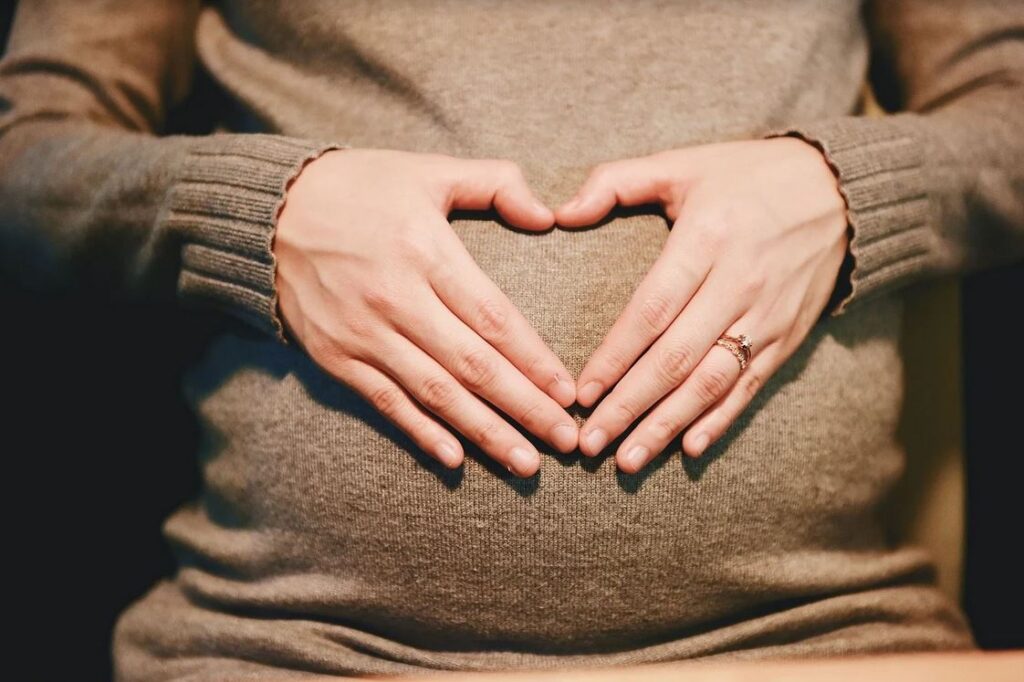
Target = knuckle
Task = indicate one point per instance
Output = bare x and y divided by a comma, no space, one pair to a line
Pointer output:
625,410
674,363
475,367
508,169
710,385
485,435
715,235
421,429
663,428
492,319
655,312
602,173
600,181
616,360
441,272
325,349
415,245
712,230
382,299
534,366
752,383
386,400
530,416
672,196
322,348
438,393
688,269
361,328
751,283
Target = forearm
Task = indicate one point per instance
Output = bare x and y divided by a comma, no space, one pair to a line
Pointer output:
90,189
937,186
147,215
927,193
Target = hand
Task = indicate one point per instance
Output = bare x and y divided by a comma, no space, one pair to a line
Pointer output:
379,290
758,238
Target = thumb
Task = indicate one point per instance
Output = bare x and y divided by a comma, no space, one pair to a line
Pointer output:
479,184
629,182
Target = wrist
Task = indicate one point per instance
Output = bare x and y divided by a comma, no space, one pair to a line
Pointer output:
827,176
287,218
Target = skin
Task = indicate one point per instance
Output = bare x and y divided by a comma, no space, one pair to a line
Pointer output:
378,289
759,232
398,309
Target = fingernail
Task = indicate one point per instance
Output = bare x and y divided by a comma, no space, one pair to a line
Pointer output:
700,442
522,461
596,440
635,458
589,393
449,454
562,390
565,437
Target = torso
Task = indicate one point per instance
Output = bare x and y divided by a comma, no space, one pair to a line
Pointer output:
315,508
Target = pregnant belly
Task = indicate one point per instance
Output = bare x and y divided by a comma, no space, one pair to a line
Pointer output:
316,507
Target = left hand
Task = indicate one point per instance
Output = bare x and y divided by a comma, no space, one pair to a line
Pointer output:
758,238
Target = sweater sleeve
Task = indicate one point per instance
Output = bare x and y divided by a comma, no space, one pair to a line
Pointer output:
936,186
92,192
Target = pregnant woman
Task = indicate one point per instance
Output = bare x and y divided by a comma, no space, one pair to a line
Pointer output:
642,410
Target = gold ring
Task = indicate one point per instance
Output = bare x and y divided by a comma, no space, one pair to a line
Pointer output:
739,346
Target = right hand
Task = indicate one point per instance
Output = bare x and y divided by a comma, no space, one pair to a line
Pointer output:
378,289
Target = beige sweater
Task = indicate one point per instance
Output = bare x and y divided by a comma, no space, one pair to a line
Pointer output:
324,542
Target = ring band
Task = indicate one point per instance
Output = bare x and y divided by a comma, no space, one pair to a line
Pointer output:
739,346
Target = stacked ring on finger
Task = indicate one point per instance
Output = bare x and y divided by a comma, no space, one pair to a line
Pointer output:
740,346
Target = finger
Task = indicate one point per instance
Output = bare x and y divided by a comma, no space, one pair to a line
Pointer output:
485,372
628,182
667,363
469,293
478,184
391,401
712,378
441,393
713,424
657,301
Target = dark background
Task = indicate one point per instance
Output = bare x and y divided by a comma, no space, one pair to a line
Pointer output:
100,449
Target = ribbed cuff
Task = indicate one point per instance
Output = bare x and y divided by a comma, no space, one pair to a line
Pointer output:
224,203
879,165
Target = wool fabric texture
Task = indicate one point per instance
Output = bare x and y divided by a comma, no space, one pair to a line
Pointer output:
324,543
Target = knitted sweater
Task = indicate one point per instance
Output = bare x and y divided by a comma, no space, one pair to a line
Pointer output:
324,542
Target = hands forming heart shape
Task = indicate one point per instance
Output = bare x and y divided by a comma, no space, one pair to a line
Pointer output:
377,288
